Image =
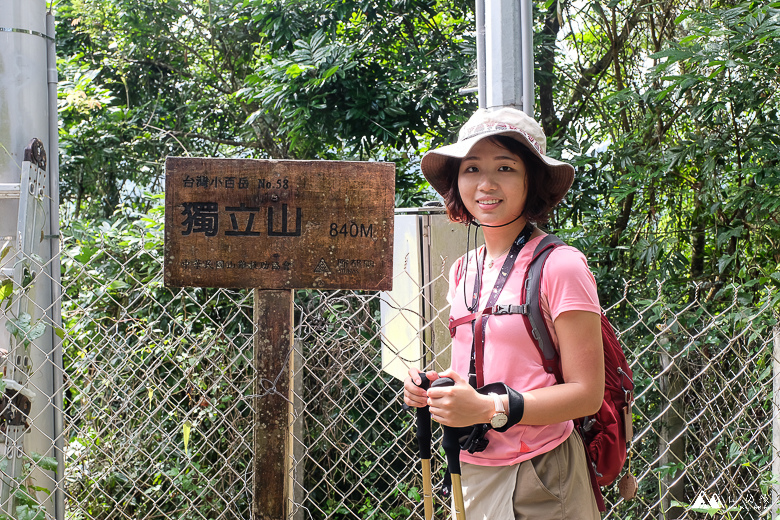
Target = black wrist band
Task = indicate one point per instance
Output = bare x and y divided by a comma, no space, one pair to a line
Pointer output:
516,403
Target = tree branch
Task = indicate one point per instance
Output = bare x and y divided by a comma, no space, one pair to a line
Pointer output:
549,120
588,75
256,144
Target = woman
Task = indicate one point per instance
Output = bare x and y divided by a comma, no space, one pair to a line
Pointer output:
497,175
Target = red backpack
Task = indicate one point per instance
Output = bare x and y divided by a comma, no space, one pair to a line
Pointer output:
607,434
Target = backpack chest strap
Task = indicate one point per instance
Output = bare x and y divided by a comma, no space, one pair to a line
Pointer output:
495,310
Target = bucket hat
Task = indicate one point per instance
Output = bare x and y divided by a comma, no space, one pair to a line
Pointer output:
507,121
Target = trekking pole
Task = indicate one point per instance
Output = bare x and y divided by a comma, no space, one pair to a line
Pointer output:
424,446
451,446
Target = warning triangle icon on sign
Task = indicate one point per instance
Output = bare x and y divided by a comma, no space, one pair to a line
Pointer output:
322,267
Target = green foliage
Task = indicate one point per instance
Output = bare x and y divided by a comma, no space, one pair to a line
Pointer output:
26,505
711,508
23,330
684,186
369,76
139,82
676,157
672,127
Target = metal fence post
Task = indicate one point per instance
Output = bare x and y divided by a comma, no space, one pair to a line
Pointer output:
775,421
671,444
54,270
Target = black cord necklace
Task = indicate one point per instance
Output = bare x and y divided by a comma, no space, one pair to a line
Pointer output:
499,225
517,245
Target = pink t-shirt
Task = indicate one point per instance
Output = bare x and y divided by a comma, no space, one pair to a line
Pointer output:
510,355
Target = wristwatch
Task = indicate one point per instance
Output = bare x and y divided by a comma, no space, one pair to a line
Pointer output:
499,418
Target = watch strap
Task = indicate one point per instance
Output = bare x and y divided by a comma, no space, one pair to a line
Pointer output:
498,403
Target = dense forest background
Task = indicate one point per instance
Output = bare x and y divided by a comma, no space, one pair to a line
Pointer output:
667,108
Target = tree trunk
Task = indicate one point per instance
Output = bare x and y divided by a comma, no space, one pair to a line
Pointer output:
698,239
547,78
622,222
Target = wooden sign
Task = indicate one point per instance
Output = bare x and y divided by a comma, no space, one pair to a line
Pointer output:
278,224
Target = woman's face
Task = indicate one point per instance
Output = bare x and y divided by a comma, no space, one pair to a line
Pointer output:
492,183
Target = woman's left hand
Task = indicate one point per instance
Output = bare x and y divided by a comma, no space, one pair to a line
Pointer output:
459,405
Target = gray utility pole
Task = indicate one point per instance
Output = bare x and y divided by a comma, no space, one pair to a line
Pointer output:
505,54
31,362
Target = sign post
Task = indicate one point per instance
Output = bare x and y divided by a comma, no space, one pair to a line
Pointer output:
273,404
275,226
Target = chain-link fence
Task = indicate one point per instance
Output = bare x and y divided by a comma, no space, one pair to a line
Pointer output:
158,393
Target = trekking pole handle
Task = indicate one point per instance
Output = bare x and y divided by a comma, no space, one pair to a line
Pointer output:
424,423
450,441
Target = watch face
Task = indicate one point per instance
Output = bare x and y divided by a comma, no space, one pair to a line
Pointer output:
498,420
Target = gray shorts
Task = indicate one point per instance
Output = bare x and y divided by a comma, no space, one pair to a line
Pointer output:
551,486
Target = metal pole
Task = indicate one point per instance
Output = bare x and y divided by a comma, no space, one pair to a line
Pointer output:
505,54
58,371
481,77
502,53
527,56
25,97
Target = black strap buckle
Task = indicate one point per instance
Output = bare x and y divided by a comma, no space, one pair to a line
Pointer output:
501,309
509,309
475,441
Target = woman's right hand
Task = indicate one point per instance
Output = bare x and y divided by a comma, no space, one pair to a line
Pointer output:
415,396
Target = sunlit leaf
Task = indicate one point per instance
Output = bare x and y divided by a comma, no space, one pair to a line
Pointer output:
186,427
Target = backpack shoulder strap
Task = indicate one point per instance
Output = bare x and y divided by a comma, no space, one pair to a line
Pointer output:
459,269
547,242
532,290
462,263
